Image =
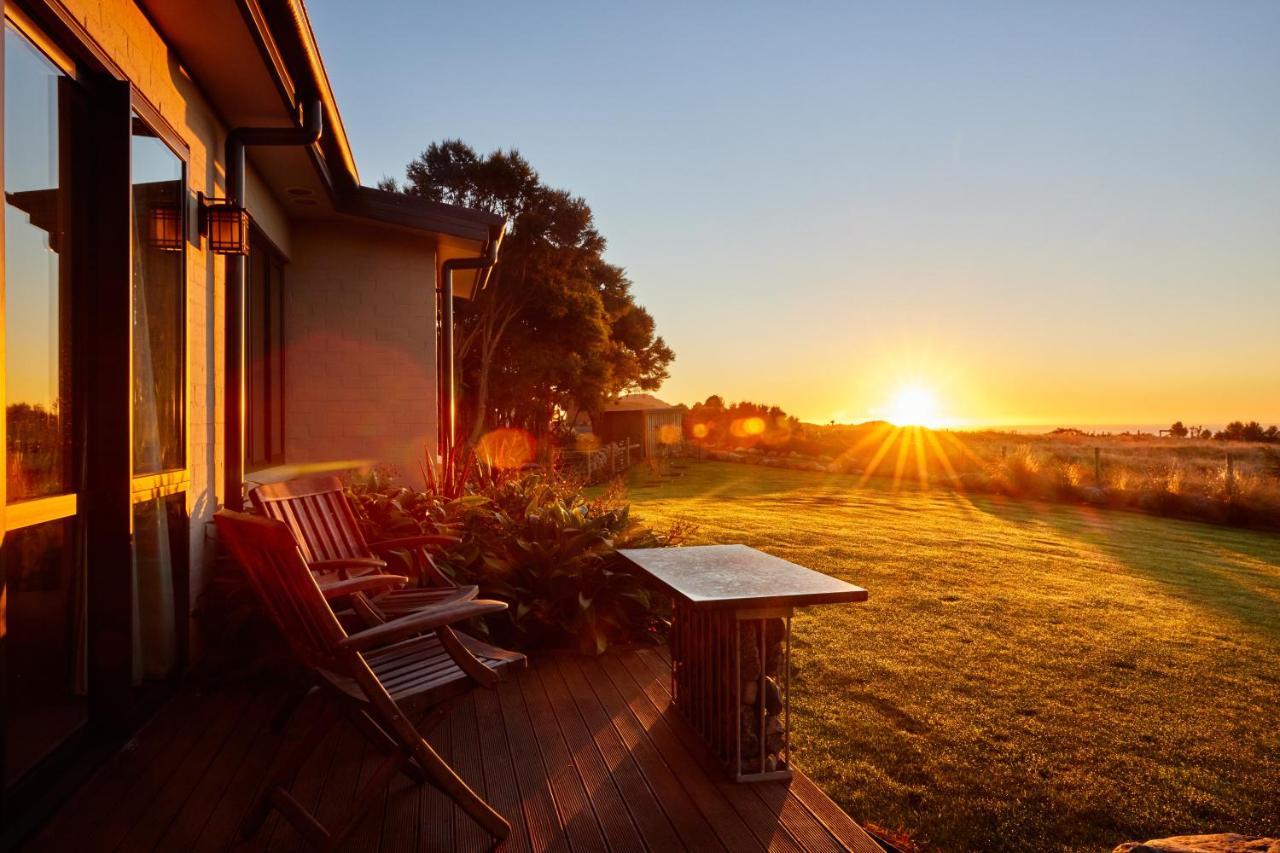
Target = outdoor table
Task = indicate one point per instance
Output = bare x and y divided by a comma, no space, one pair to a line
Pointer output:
731,646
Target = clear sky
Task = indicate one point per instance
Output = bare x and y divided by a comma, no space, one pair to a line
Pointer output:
1038,212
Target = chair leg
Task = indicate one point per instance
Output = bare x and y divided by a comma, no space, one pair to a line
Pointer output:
297,693
377,736
465,660
429,573
443,777
284,768
368,612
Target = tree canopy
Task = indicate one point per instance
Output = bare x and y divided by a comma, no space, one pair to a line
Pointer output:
1251,431
558,329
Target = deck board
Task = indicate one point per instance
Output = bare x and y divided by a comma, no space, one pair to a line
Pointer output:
580,754
610,808
654,825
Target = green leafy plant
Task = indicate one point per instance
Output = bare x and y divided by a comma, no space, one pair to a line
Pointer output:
532,541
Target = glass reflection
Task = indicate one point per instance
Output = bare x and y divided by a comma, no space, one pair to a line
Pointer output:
159,354
39,105
46,670
159,563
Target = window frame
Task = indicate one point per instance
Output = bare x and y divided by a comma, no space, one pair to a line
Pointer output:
275,262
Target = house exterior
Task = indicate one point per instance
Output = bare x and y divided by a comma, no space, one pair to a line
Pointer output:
150,369
644,420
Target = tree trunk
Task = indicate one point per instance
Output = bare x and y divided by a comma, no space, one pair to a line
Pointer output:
497,314
482,398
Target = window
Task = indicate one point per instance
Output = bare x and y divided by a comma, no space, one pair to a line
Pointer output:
159,304
160,534
265,374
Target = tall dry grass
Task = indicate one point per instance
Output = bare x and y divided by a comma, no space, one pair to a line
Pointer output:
1167,476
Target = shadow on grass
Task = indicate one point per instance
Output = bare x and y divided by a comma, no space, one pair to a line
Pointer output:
1227,571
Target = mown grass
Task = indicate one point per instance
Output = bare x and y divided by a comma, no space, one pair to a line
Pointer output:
1024,676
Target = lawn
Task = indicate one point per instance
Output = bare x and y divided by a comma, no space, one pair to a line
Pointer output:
1024,676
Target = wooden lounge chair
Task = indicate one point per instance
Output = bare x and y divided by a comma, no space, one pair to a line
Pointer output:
317,512
376,678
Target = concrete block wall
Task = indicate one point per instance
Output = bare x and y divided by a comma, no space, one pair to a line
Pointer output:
359,314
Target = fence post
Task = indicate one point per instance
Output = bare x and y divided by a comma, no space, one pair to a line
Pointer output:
1231,478
1097,465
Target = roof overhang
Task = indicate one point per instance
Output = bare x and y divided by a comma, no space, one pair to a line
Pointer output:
258,63
419,214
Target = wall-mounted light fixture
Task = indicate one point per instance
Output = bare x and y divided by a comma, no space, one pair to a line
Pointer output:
166,227
226,226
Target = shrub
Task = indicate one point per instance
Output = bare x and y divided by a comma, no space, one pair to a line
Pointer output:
532,541
1017,473
1068,477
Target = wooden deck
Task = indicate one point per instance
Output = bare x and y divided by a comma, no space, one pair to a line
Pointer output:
579,754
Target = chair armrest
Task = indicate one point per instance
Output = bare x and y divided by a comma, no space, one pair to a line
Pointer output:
344,566
427,619
368,583
407,542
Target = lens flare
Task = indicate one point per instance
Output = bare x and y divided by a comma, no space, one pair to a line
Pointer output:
506,448
747,427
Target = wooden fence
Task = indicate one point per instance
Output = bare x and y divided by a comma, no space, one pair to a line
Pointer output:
602,463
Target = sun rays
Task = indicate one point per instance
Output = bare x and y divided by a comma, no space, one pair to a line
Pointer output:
911,453
908,446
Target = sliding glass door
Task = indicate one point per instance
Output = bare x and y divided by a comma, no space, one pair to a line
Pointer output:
44,568
94,597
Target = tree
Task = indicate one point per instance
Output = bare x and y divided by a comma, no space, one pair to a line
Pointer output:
1251,431
1178,430
739,424
558,328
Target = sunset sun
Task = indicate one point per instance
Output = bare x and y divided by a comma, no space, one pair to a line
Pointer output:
913,405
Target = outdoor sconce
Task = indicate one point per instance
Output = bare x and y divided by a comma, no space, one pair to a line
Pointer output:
166,227
226,226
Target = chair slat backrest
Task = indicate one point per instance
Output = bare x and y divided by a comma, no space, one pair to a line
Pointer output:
268,553
317,512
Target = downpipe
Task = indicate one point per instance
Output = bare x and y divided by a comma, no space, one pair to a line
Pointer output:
448,386
236,274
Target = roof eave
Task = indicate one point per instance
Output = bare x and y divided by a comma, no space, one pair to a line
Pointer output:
420,214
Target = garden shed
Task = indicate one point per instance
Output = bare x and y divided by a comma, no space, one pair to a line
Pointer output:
644,420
